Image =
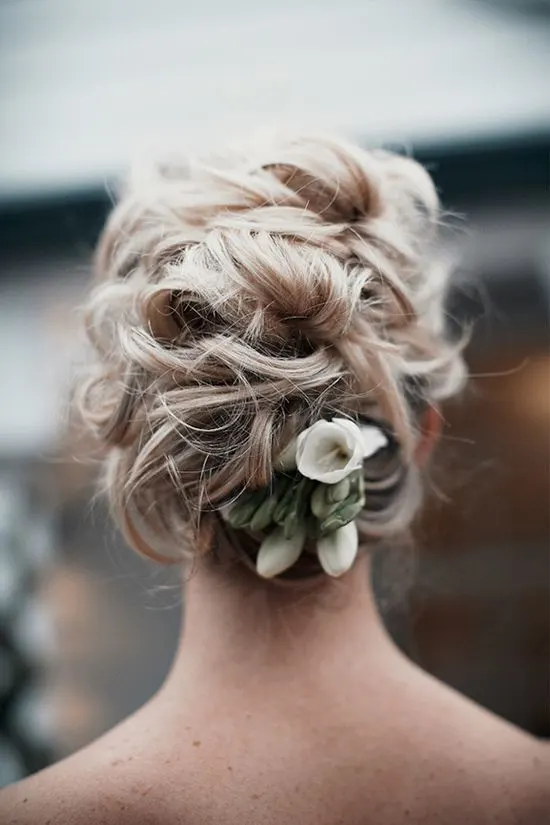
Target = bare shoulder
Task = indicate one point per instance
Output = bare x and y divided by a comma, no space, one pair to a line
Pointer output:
83,789
62,793
473,752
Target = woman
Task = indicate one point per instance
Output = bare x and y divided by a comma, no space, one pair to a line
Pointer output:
269,356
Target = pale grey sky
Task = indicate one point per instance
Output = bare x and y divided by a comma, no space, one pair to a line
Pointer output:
86,85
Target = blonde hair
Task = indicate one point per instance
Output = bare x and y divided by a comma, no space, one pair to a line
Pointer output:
240,298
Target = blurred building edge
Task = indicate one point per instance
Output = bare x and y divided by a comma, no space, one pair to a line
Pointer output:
480,600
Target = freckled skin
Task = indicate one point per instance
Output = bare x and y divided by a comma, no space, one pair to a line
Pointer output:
294,709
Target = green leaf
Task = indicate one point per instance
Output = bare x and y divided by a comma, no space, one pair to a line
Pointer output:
341,517
246,505
284,500
357,484
297,510
263,516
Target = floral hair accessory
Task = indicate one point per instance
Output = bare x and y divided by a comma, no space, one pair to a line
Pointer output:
316,492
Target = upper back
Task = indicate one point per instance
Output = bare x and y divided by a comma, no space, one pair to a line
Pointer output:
419,754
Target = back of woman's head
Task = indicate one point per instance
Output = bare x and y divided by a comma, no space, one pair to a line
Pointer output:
244,298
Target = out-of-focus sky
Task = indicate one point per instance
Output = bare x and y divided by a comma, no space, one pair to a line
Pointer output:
86,85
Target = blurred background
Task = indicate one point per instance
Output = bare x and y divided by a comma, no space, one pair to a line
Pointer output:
87,628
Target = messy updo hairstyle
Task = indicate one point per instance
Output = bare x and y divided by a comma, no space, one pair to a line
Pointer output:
239,299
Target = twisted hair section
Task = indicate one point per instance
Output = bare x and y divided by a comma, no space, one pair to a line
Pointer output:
242,297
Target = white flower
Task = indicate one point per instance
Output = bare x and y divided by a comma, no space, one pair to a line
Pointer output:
373,439
278,553
338,550
328,451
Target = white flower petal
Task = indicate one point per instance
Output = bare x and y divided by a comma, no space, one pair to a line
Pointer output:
328,452
355,440
333,476
351,428
337,551
277,553
373,440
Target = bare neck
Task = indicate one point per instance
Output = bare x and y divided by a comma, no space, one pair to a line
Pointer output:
240,631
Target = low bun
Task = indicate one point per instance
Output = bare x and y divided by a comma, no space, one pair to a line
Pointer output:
241,299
